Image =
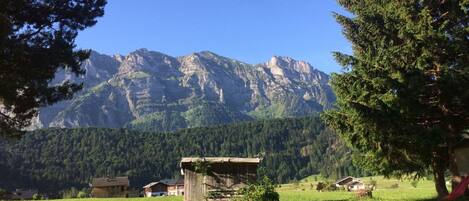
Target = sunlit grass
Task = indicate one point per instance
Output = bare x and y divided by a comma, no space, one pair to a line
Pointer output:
302,191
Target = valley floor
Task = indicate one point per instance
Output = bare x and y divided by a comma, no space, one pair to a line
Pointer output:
387,190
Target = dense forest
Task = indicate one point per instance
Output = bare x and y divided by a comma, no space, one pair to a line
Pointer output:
57,159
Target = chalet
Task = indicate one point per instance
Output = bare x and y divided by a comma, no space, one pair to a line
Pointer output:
344,181
216,178
105,187
175,186
155,189
164,187
356,185
350,183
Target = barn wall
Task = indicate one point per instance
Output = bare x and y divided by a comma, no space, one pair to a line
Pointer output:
223,179
112,191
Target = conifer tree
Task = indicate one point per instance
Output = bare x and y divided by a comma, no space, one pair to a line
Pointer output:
403,96
37,38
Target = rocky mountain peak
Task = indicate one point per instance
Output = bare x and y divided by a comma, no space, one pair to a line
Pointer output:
151,90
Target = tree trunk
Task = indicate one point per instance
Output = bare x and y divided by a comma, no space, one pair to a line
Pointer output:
453,168
440,183
438,166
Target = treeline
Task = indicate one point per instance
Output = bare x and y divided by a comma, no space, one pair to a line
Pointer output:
57,159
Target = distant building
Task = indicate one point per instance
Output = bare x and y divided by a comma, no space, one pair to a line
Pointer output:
106,187
216,178
21,194
155,189
344,181
164,187
350,183
356,185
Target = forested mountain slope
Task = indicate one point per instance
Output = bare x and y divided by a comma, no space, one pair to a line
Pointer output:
54,159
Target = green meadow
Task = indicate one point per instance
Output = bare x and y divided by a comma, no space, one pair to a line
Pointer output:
386,189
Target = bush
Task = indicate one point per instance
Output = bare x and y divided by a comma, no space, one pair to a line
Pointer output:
72,193
414,183
82,194
263,191
320,186
3,193
37,197
373,182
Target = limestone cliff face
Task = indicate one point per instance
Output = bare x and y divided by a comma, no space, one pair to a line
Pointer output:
153,91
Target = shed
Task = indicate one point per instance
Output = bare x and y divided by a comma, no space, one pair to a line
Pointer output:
110,187
216,178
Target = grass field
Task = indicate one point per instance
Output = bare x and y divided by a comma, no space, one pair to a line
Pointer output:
302,191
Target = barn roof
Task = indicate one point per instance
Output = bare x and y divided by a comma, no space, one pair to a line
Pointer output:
167,182
344,180
150,184
220,160
108,181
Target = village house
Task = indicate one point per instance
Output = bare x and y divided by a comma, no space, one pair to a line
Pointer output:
105,187
216,178
350,184
164,187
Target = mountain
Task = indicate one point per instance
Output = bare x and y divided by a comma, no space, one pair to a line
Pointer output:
149,90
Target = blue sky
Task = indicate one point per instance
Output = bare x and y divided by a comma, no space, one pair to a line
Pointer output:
248,30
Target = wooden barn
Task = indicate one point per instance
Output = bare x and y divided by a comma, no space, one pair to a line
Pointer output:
216,178
106,187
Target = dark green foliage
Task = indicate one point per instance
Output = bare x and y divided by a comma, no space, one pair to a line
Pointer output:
37,39
63,158
403,100
262,191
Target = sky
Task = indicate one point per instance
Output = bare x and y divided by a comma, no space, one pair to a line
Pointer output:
251,31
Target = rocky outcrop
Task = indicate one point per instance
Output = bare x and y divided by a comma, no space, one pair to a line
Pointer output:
153,91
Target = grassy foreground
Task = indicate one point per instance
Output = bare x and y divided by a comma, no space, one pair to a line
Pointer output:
302,191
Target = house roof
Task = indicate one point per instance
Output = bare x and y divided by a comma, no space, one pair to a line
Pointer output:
221,160
150,184
168,182
108,181
344,180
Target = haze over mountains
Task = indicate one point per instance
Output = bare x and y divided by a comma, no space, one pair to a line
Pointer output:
152,91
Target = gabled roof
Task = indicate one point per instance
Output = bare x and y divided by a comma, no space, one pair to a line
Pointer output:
344,180
108,181
221,160
173,181
150,184
167,182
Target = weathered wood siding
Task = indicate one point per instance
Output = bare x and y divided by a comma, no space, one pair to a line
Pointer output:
220,183
108,192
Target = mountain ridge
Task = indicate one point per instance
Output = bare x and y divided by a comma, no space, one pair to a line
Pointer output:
150,90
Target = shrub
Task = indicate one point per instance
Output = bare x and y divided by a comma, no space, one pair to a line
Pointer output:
72,193
37,197
82,194
414,183
320,186
3,193
263,191
373,182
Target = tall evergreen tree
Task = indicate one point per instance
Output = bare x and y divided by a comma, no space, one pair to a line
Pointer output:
403,96
37,38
